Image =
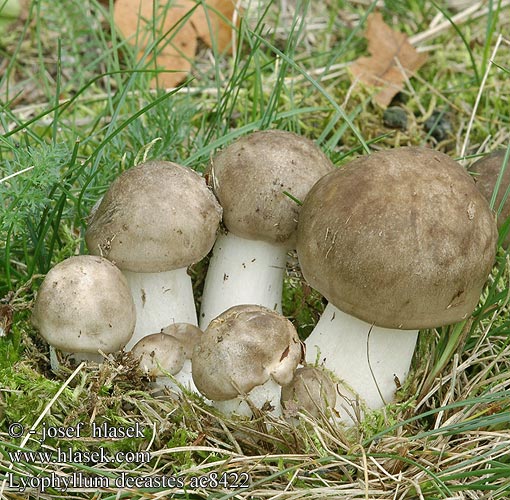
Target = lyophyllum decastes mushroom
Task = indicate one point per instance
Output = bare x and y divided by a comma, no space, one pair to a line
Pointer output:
312,390
253,178
84,306
159,354
154,221
169,353
397,241
247,353
487,171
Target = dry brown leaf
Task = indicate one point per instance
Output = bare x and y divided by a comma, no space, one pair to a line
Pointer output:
381,69
139,20
218,12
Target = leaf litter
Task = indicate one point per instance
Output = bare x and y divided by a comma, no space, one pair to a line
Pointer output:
175,29
392,60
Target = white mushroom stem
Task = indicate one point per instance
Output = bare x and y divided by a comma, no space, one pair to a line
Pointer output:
242,271
267,393
78,357
182,378
368,359
160,300
185,379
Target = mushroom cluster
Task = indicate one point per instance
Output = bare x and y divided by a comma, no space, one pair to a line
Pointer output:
158,218
396,241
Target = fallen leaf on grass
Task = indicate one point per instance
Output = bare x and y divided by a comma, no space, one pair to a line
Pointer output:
181,23
140,22
221,15
381,69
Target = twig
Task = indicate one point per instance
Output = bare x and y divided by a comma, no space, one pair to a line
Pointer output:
469,13
15,174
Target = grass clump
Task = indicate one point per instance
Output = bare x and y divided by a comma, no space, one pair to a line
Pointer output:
76,111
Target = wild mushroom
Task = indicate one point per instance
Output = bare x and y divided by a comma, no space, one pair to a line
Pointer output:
253,178
486,172
159,354
84,306
396,241
188,335
154,221
312,389
169,353
246,354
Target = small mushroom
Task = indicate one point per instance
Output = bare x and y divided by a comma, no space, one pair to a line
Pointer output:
188,335
84,306
486,172
312,389
154,221
396,241
159,354
169,353
247,353
255,179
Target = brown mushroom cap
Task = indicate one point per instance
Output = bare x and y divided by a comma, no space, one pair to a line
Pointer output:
401,238
84,304
487,171
250,176
159,354
187,334
312,389
243,348
157,216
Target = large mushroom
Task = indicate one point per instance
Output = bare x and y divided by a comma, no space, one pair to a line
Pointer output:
84,306
246,354
154,221
255,179
396,241
487,172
